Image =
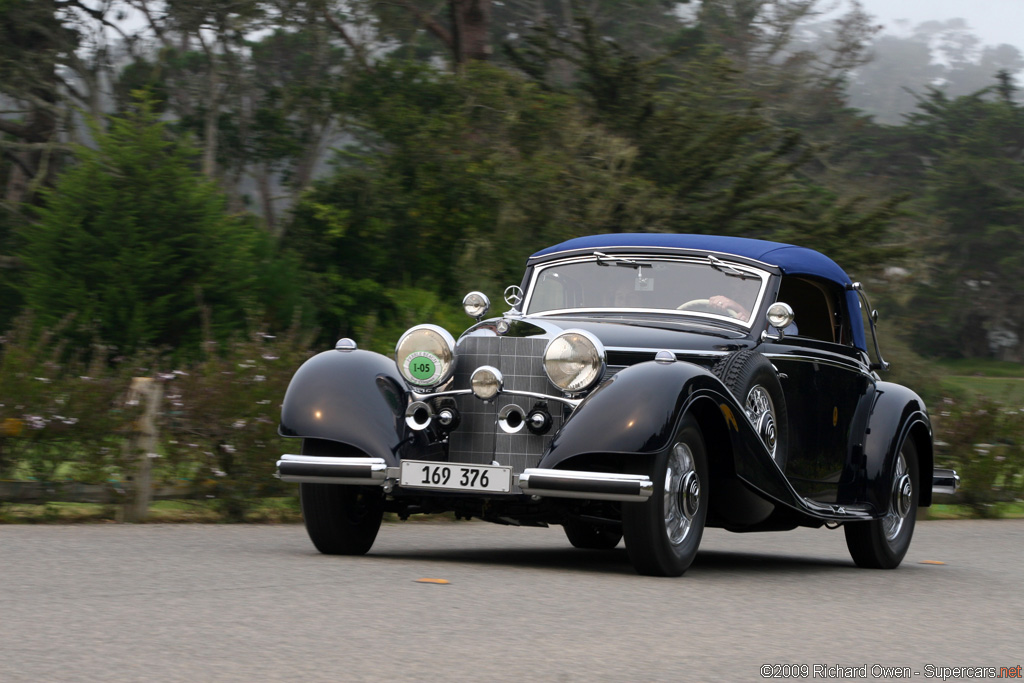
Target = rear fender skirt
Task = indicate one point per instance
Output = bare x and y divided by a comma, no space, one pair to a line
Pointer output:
898,413
352,397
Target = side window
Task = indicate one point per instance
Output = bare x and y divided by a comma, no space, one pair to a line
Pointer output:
817,308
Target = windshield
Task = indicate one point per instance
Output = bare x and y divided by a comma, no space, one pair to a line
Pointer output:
699,286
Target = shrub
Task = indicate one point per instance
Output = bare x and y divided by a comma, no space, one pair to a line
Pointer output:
222,417
136,243
60,413
984,442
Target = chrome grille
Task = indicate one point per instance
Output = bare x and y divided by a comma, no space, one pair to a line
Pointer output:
479,439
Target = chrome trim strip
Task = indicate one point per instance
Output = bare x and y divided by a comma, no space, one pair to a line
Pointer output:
418,396
945,481
852,365
571,402
640,311
629,488
311,469
684,352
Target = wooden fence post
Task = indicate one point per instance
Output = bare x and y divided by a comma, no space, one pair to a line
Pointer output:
141,444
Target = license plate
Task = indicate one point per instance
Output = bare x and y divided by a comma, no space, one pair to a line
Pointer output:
454,476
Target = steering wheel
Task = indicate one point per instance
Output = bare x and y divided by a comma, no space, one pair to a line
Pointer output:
705,304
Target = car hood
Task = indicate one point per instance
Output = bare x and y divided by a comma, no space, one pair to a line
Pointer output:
623,332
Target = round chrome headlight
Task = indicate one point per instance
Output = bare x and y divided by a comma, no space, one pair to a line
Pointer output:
574,360
425,355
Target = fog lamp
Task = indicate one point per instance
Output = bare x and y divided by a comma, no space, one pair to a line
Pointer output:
486,382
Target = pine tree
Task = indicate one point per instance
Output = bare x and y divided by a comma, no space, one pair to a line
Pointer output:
134,242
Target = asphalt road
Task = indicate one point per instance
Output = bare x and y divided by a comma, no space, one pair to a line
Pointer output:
257,603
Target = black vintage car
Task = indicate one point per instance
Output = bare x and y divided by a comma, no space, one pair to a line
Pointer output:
642,386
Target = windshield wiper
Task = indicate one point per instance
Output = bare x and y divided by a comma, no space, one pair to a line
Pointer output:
606,260
726,269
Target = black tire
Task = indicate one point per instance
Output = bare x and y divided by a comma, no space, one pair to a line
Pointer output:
663,533
755,383
340,520
882,543
591,536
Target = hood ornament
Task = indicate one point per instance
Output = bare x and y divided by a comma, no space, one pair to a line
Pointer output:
513,295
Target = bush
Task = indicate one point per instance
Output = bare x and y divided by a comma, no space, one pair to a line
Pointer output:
222,415
61,413
136,243
984,442
66,417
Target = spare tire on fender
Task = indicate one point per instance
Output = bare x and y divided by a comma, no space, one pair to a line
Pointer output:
755,383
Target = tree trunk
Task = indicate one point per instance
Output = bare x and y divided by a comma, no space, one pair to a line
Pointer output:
471,20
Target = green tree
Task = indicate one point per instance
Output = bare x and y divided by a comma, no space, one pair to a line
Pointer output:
135,243
454,182
705,140
973,148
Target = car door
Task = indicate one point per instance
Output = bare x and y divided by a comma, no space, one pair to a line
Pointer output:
827,385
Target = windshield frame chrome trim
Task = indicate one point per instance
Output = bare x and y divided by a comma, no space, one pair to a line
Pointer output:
689,257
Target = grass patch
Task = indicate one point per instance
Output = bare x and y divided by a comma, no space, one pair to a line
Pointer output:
943,511
265,511
982,367
971,378
1006,390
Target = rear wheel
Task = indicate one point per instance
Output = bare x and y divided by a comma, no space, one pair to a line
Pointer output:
663,533
340,520
882,543
591,536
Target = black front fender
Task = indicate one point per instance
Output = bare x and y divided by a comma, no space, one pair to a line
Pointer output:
351,397
637,412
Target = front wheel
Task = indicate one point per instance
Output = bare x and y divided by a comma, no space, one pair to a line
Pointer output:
663,533
882,543
340,520
754,381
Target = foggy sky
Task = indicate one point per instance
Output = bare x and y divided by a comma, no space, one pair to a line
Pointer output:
994,21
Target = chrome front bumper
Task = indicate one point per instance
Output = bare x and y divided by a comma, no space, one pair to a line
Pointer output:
629,488
945,481
310,469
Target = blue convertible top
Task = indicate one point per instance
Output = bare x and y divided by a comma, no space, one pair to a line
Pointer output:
790,259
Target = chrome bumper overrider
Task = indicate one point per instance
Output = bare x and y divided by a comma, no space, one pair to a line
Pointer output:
309,469
634,488
945,481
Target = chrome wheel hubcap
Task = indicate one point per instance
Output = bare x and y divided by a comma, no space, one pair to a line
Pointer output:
682,493
761,411
902,500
